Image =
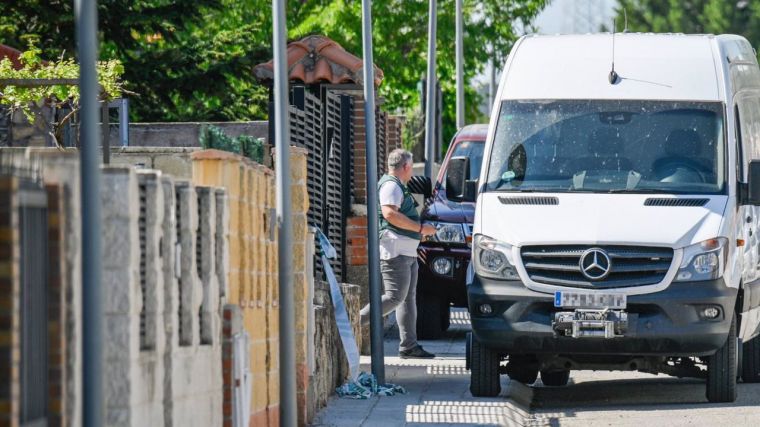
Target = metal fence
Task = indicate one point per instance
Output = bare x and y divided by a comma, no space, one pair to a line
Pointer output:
33,233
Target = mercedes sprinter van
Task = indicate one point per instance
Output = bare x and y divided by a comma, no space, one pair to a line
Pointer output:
617,216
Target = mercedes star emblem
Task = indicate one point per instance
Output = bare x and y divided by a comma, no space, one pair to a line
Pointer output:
595,264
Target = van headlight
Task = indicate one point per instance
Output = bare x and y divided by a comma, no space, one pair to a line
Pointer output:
703,261
447,232
491,258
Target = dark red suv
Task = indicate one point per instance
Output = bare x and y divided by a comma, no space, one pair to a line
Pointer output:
444,257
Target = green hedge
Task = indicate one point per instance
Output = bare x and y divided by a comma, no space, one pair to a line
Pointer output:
245,145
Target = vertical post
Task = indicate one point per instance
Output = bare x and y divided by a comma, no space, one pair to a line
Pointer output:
492,80
430,97
89,173
373,250
460,63
105,125
288,413
124,122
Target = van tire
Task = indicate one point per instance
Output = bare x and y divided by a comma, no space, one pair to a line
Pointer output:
751,360
721,370
432,317
484,370
555,378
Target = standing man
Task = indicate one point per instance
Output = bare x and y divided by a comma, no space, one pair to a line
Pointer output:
400,233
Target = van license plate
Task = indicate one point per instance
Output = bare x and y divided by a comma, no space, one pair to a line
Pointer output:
589,300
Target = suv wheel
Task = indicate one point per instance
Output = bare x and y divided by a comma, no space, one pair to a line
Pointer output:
751,361
484,370
432,317
555,378
522,369
721,369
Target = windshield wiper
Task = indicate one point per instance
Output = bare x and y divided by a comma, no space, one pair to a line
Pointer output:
642,191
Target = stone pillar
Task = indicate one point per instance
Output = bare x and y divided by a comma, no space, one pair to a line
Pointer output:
171,272
121,293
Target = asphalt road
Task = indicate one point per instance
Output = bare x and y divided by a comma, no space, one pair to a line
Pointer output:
635,399
438,394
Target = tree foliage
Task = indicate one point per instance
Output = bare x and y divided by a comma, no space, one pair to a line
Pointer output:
192,59
693,17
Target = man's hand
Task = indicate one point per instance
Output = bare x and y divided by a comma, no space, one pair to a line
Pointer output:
428,230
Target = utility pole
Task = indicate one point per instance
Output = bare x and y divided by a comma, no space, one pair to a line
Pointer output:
460,63
288,413
373,250
89,175
430,97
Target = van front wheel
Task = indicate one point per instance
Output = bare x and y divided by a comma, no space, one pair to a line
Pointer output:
484,370
721,369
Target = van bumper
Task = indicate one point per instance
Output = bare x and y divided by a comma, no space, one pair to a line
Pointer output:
665,323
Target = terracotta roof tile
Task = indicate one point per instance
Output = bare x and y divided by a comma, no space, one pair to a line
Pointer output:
12,54
318,59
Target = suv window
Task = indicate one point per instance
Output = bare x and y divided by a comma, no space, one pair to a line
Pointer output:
473,150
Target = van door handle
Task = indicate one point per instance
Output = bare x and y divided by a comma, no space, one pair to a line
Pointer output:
749,219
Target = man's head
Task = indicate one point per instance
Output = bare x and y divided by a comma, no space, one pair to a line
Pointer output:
400,164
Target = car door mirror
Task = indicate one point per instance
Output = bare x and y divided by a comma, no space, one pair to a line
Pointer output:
457,174
420,185
753,183
470,191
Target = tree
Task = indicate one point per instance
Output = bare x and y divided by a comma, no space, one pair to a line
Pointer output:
400,43
693,17
192,59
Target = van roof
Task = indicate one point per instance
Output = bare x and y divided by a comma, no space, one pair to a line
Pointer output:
652,66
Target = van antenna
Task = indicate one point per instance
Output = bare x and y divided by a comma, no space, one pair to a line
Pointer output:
613,77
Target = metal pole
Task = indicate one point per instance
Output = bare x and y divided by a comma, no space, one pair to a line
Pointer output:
89,173
124,122
373,254
106,128
460,63
430,97
492,80
288,413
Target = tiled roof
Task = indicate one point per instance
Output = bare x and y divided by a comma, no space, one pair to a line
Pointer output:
13,54
318,59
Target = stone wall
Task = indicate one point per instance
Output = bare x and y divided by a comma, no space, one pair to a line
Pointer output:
151,376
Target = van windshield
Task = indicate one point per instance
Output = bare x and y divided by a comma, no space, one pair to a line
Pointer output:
608,146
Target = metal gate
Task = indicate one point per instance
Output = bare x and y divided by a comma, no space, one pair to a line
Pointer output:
324,127
33,234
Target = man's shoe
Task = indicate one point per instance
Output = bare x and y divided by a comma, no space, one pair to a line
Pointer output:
415,353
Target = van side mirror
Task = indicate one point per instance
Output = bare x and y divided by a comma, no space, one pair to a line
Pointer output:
457,174
420,185
753,183
470,191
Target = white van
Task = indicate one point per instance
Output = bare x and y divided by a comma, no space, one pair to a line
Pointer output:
617,212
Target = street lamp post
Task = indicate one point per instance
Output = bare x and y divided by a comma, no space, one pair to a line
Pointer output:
373,250
288,412
430,97
460,63
89,175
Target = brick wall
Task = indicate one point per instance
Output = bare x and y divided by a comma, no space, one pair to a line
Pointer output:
360,153
252,279
356,240
57,373
10,350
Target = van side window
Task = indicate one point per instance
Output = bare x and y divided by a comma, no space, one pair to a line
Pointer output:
748,131
739,151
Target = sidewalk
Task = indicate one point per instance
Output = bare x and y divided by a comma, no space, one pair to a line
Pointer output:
438,390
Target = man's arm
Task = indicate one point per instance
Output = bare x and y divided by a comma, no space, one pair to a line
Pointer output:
396,218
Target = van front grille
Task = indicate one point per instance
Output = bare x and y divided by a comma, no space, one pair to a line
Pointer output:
629,266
